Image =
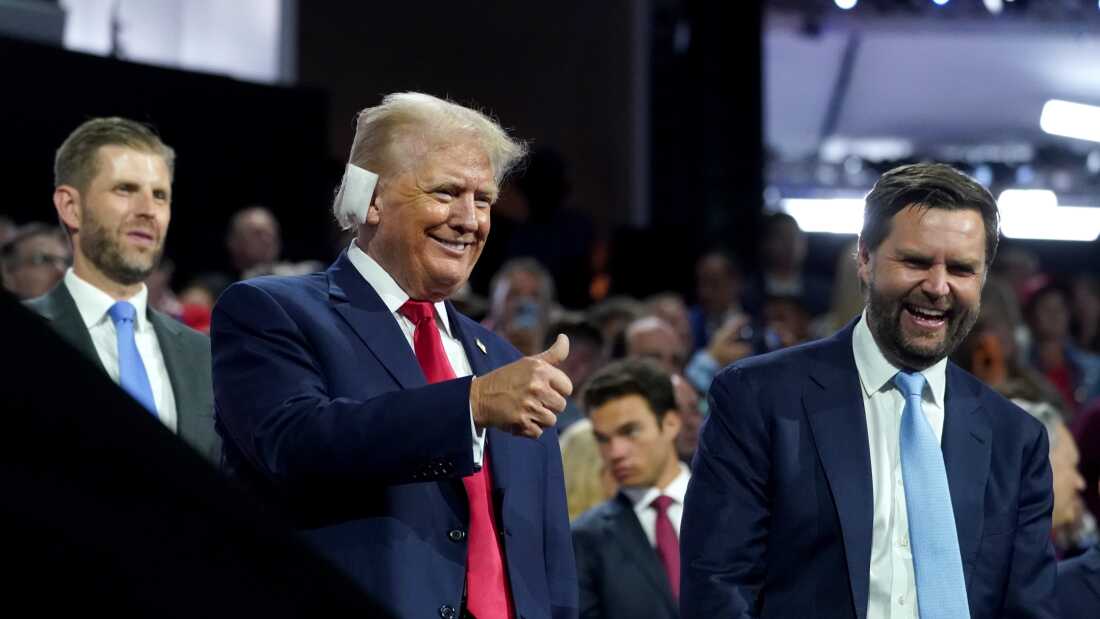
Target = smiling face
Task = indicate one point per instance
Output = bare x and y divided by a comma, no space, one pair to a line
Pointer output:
120,220
428,223
924,283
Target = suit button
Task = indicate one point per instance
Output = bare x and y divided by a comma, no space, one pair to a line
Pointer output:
447,612
456,535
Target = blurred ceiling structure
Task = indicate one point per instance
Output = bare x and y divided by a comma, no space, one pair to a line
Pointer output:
850,93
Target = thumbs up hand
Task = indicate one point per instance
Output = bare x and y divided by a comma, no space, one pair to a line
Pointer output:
524,396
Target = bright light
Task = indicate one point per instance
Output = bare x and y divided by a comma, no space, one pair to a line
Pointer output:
1035,214
940,2
834,215
994,6
1072,120
1025,214
846,4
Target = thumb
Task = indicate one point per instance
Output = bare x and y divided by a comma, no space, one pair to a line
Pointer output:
556,353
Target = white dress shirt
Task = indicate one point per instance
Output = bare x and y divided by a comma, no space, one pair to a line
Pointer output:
642,499
394,297
93,303
893,589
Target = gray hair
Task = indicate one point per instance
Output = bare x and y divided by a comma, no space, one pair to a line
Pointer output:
404,116
1047,414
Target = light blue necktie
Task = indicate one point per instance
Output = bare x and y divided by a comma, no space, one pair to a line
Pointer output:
131,369
941,587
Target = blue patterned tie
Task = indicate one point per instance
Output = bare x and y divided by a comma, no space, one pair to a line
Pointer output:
941,587
131,369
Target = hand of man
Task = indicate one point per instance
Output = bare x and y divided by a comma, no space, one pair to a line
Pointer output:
524,396
728,343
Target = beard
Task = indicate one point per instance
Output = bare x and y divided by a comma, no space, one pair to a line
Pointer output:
904,350
104,250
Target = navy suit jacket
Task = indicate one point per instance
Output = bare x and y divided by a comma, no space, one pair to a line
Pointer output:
1079,586
325,411
619,573
778,515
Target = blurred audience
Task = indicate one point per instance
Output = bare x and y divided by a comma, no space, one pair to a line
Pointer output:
586,355
254,243
651,337
611,316
846,299
34,260
1073,371
782,269
521,299
1086,312
718,288
670,307
588,482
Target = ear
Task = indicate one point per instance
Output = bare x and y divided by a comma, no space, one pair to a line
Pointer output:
66,199
671,423
374,211
863,259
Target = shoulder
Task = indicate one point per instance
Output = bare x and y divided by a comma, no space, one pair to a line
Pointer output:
785,367
281,290
594,521
49,304
1003,413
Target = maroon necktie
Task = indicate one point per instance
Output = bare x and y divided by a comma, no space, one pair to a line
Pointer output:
668,547
487,593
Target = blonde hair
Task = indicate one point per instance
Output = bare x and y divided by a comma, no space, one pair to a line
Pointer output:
411,116
585,474
76,162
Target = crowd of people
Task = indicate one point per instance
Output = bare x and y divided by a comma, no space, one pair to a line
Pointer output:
456,455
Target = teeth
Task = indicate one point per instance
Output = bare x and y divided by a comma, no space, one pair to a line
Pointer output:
452,244
926,313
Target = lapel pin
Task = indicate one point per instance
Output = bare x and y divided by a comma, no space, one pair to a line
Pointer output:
481,346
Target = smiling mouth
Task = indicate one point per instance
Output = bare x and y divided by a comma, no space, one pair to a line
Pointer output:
926,317
141,236
454,246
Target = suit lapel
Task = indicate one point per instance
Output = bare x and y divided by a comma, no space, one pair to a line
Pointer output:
180,374
476,352
60,309
967,443
834,409
626,531
354,299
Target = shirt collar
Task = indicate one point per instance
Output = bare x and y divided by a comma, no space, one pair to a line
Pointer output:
876,373
675,490
393,296
93,303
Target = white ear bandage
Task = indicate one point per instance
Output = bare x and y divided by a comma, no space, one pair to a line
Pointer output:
355,195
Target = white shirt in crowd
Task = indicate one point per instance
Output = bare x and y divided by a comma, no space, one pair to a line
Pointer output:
642,499
394,297
893,589
93,303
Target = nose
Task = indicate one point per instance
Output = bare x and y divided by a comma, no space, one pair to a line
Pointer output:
618,449
464,213
935,282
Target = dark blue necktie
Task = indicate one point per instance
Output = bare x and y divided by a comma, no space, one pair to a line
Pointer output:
937,563
131,369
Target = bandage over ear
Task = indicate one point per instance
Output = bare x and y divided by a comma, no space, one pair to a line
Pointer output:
355,195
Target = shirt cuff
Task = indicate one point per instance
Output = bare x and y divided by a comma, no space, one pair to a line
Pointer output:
479,440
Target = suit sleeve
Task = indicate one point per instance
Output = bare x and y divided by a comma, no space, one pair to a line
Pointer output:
273,404
727,509
1030,591
561,568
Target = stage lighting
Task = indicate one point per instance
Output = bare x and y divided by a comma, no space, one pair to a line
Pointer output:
1072,120
846,4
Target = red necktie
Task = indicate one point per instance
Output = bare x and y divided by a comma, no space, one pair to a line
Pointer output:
487,592
668,547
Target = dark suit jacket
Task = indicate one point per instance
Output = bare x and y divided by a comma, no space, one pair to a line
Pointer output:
325,411
618,571
186,356
777,520
1079,586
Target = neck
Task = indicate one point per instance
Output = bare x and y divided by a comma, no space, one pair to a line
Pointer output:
88,272
671,472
